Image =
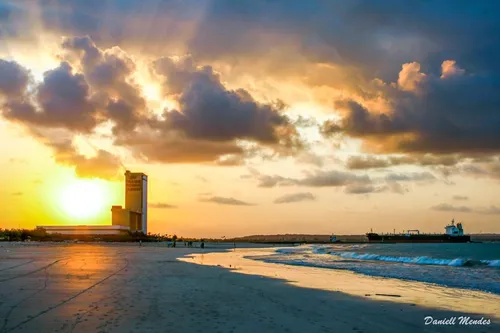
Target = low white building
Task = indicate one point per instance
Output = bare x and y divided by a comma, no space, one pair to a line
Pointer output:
86,230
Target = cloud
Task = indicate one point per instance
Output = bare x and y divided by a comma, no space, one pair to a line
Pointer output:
210,120
437,74
455,112
268,181
226,201
362,189
17,194
64,101
14,79
230,160
304,121
208,110
460,197
362,38
333,178
110,73
415,176
317,178
161,205
368,162
491,210
477,168
295,197
103,165
377,162
94,86
450,208
396,187
310,158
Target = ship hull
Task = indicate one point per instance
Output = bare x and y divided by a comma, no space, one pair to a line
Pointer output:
376,238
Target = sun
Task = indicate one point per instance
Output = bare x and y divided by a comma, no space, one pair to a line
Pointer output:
83,198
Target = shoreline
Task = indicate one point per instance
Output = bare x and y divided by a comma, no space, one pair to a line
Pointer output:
400,291
127,288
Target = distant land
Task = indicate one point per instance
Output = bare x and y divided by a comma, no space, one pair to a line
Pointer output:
298,238
42,235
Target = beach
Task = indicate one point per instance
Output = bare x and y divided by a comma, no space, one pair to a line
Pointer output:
152,288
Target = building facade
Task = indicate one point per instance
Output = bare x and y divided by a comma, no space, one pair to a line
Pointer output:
135,212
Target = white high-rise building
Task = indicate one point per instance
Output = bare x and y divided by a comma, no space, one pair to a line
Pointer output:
135,213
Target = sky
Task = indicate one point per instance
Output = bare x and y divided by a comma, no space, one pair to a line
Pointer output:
252,117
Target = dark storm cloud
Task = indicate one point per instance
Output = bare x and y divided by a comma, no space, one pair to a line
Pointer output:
457,112
153,25
109,72
14,79
210,111
53,111
226,201
11,20
491,210
205,128
453,108
209,121
5,11
372,35
64,101
295,197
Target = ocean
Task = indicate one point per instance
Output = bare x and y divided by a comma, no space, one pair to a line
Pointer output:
467,265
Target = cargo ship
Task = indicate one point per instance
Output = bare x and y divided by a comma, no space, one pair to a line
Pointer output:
453,234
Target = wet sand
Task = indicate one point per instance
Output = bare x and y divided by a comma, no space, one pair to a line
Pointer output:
127,288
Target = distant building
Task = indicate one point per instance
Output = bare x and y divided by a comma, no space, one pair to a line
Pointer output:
133,217
135,213
85,230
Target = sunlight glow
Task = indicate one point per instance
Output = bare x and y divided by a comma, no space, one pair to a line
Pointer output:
83,198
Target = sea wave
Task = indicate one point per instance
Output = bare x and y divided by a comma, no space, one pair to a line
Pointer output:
420,260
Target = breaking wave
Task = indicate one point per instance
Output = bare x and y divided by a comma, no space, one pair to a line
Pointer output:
417,260
420,260
466,266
